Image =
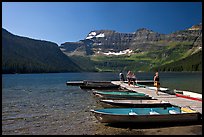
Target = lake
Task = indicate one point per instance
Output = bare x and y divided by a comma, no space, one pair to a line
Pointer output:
44,104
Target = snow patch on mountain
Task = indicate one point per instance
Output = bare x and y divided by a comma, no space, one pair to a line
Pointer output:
127,51
101,35
62,49
93,34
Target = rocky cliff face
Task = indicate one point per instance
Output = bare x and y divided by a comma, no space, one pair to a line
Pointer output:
146,40
100,41
196,27
104,41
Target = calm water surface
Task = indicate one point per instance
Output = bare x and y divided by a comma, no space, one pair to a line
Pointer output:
44,104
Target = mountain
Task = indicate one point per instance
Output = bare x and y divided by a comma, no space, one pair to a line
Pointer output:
106,50
142,50
190,63
25,55
101,42
77,48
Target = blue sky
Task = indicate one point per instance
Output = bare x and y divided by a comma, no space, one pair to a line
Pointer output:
61,22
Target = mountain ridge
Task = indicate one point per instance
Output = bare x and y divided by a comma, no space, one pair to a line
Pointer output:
140,40
25,55
105,50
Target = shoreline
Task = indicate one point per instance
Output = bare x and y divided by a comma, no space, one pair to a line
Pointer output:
195,129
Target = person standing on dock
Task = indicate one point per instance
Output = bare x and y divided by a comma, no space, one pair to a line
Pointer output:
156,82
121,77
131,77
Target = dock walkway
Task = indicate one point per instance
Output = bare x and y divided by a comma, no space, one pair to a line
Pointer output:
173,99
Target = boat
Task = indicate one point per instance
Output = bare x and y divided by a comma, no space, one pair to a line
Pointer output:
142,82
100,82
188,95
120,94
84,82
99,86
134,103
74,83
160,89
140,85
114,90
137,115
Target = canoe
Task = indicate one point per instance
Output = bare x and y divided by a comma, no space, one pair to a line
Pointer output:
120,94
134,103
134,115
188,95
99,86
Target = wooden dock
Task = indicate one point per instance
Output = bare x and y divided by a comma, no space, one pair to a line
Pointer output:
172,99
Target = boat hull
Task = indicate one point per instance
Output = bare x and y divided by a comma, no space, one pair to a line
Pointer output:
120,95
160,89
134,103
85,82
100,86
188,95
104,118
134,115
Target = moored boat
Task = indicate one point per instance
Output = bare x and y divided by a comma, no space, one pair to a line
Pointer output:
113,90
120,94
149,82
99,86
133,115
84,82
134,103
140,85
160,89
99,82
74,83
188,95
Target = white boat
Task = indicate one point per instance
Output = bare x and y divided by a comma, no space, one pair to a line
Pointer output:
134,103
160,89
